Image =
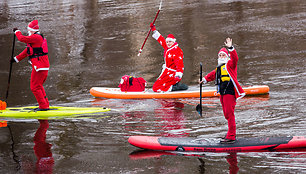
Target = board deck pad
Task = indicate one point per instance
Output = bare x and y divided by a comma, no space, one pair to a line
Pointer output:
214,145
55,111
192,91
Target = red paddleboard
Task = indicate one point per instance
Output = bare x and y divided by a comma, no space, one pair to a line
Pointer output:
213,144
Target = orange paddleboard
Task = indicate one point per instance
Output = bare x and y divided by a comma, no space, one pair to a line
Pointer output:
191,92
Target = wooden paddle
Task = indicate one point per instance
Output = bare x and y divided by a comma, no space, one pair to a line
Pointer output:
11,65
199,106
140,50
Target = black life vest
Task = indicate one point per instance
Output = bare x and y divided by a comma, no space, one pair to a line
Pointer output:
38,51
223,81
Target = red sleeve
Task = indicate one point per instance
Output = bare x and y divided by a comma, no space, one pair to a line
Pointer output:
211,76
22,55
161,40
26,39
234,59
35,40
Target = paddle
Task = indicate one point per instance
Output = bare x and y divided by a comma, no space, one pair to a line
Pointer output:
199,106
150,28
10,73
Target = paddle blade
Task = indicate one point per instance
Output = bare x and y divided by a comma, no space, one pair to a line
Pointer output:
199,109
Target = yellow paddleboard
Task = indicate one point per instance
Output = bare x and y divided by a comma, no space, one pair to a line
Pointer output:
55,111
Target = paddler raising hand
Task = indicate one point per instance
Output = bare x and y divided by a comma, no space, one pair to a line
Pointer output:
37,51
173,68
225,76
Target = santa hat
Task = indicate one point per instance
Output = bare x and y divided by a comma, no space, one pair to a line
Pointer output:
33,26
170,37
223,50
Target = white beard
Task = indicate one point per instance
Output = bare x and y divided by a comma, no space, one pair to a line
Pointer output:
29,33
222,61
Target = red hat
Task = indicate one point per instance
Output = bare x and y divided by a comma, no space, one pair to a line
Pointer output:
170,37
33,26
223,50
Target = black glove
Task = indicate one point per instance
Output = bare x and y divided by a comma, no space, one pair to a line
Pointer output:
13,60
15,29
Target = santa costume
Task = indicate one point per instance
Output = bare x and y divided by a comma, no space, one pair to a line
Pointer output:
37,51
228,87
174,66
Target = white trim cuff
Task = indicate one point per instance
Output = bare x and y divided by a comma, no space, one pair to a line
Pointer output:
156,34
231,48
16,60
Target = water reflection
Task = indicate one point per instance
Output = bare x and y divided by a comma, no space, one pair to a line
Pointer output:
231,158
42,149
167,120
94,43
173,119
15,157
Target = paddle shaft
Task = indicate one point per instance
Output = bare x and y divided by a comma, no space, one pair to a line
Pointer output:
201,89
150,29
11,66
199,106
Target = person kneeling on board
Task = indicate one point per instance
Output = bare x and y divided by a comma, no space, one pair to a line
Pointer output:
225,76
173,68
37,51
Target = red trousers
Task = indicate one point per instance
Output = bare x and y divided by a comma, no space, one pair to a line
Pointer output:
228,102
164,81
37,81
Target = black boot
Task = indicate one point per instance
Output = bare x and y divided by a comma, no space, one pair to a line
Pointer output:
39,109
179,86
227,141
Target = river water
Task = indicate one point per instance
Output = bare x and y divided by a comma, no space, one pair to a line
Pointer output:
95,42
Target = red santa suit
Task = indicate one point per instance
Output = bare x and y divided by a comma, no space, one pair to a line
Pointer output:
228,101
37,52
174,66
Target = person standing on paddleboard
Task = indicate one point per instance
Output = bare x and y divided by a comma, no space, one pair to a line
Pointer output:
225,76
37,51
173,68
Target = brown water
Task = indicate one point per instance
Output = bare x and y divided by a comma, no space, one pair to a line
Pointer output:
94,43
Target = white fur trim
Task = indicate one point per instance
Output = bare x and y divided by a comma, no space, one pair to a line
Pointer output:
121,81
32,29
170,39
170,89
40,69
171,69
235,85
224,53
17,31
156,34
15,58
232,49
242,95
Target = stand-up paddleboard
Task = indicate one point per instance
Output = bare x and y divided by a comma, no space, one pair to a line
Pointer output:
214,145
55,111
191,92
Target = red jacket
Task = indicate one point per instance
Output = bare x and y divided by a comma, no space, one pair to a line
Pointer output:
231,68
35,40
173,56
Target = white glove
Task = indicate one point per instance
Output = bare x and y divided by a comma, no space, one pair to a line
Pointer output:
204,81
178,75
